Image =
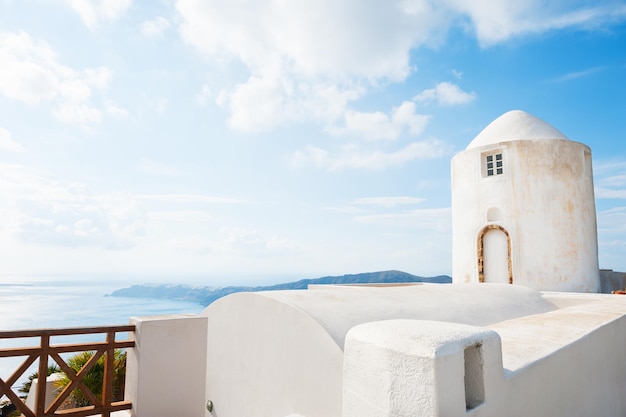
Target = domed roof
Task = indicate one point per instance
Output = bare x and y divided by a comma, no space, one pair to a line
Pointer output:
515,125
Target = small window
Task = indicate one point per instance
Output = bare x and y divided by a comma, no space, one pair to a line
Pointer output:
474,377
494,165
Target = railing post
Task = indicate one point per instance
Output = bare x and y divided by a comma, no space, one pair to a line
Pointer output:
107,380
43,375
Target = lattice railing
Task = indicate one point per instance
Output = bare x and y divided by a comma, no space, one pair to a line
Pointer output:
47,348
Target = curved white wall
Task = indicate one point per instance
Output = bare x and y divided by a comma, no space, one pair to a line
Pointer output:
269,359
544,201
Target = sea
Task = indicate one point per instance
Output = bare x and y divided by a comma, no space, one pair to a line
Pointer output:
60,304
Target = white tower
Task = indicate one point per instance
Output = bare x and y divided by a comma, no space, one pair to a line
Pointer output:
523,208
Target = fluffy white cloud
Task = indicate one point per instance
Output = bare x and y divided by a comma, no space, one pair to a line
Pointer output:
264,102
306,60
309,38
38,210
294,50
58,213
91,12
77,113
31,73
378,125
155,27
354,157
446,94
115,111
7,143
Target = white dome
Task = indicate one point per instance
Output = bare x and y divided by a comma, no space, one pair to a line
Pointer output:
515,125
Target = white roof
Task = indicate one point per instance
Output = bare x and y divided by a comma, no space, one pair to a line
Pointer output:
515,125
339,308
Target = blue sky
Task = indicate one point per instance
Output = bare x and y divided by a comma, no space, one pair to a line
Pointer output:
265,140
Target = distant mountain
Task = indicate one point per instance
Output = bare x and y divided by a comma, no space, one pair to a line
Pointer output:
206,295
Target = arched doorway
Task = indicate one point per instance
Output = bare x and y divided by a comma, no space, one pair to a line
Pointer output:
494,255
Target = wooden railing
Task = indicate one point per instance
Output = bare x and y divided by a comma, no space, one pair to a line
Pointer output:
46,349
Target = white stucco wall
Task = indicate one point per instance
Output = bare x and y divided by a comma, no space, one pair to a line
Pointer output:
414,368
52,390
544,200
273,354
269,359
565,362
418,350
165,371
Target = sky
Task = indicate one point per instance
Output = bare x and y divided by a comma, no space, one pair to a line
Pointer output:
249,141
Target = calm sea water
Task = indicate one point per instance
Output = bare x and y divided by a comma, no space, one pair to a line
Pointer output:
58,304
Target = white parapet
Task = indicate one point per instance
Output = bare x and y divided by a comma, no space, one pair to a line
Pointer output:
166,370
414,368
52,390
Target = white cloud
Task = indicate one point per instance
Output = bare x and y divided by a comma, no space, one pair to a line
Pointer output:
264,102
606,193
181,216
388,202
155,27
380,126
39,210
250,243
77,113
91,12
612,222
31,73
7,143
115,111
495,22
204,95
426,219
611,242
293,50
578,74
610,180
306,61
356,158
446,94
190,198
315,38
98,77
160,104
280,243
151,167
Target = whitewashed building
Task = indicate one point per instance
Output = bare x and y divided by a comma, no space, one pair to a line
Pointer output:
521,331
523,208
